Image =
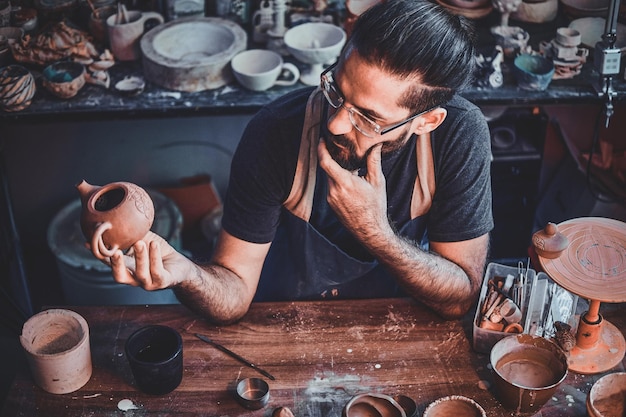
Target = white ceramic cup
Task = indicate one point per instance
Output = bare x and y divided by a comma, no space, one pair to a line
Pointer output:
260,69
124,37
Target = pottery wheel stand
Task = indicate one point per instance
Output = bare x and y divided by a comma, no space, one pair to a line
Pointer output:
593,267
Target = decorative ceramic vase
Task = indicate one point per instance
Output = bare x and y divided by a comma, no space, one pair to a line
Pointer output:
114,216
17,88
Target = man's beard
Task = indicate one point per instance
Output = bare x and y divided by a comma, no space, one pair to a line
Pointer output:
343,150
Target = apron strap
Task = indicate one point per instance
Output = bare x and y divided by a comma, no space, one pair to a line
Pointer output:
424,188
300,199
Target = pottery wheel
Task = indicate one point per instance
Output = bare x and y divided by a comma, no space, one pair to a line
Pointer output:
594,264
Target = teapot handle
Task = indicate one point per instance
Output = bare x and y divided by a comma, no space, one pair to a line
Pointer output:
98,248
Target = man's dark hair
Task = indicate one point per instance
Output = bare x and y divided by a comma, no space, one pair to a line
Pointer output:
418,39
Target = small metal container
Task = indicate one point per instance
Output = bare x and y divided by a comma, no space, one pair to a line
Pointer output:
252,393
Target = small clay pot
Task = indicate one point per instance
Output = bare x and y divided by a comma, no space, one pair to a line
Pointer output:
527,370
64,79
97,23
114,216
57,348
533,72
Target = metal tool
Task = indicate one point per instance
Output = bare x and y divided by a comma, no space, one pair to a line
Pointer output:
234,355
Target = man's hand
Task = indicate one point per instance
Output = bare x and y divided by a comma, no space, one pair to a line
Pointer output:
359,202
151,264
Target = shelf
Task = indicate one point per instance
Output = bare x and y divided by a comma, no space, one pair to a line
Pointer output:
97,102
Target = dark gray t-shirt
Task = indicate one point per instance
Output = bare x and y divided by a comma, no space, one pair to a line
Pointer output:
264,164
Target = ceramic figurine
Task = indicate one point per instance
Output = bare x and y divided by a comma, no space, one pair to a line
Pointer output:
114,216
513,39
565,52
262,21
489,68
275,34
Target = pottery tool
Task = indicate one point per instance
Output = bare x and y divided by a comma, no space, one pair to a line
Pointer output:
93,9
234,355
122,14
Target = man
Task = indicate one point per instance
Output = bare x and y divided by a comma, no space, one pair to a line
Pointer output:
375,184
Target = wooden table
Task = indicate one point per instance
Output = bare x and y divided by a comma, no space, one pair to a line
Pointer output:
321,353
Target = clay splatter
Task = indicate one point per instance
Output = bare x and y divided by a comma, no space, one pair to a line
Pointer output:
126,405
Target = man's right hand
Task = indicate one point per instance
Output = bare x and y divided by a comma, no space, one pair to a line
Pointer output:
151,263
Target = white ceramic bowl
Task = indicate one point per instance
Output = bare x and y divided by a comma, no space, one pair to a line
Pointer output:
314,43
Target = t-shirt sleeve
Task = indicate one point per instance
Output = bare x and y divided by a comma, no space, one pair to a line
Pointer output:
262,172
462,204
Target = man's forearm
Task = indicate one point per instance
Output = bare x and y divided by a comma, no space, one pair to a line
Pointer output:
215,293
426,276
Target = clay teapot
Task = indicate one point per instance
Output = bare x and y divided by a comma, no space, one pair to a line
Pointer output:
114,216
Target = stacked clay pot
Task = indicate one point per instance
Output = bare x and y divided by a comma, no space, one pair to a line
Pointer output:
17,88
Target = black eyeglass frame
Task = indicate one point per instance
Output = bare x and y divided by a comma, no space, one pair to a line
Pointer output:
326,79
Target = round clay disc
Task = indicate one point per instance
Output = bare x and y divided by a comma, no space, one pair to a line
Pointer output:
594,264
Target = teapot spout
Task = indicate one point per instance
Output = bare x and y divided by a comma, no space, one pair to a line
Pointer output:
85,190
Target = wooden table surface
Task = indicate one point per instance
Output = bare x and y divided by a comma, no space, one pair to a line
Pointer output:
321,353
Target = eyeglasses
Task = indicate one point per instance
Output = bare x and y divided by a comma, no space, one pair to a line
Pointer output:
361,122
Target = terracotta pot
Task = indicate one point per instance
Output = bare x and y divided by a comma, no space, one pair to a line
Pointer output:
57,348
114,216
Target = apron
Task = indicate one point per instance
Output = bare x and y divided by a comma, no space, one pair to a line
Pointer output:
302,264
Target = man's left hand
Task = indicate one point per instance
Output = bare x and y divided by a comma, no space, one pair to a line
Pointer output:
359,202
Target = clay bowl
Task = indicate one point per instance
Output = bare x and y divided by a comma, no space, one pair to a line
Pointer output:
608,396
17,88
192,54
454,405
536,12
64,79
527,370
533,72
379,405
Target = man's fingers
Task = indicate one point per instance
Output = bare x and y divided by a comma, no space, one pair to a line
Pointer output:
121,273
328,164
374,166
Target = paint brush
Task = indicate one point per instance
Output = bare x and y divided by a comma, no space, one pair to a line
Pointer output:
234,355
